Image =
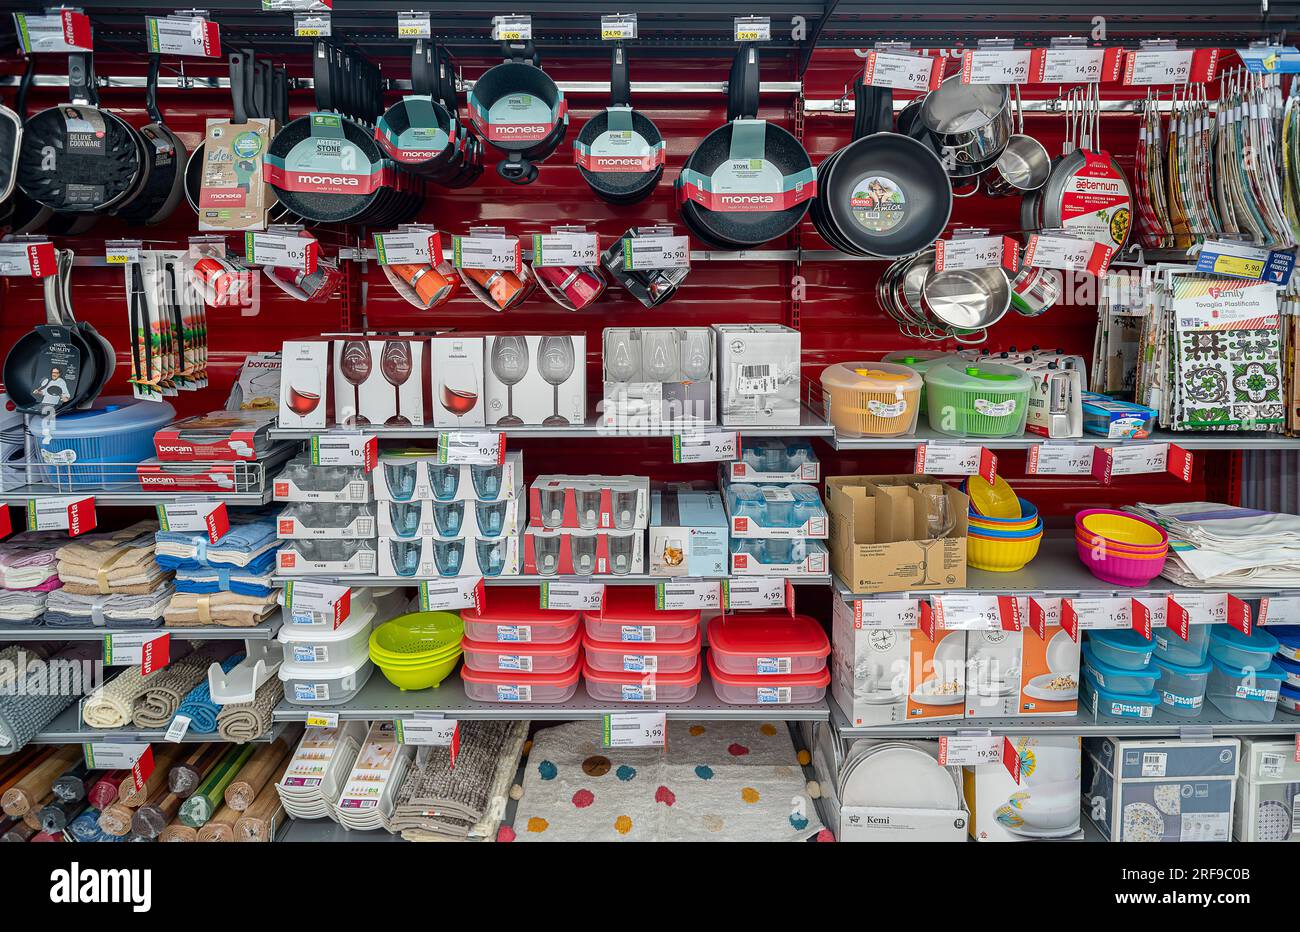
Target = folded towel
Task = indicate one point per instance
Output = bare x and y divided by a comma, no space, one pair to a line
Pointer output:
206,580
170,685
25,606
29,558
247,721
229,609
243,544
130,580
106,563
198,706
64,608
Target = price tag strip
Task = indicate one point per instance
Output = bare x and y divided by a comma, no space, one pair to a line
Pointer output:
1059,459
756,592
1241,260
323,719
566,250
487,252
1099,614
409,247
345,450
192,36
706,446
61,31
281,250
452,593
149,649
634,730
587,597
1135,459
975,750
1048,612
643,253
1275,610
122,251
872,614
977,612
977,252
27,259
195,516
303,600
70,513
955,459
995,66
902,71
1148,613
1157,66
471,447
1075,65
113,755
1195,608
1067,253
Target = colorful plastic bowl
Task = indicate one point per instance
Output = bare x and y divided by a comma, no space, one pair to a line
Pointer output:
1119,570
1100,541
417,636
1028,512
992,534
1107,548
1121,527
1001,556
420,676
995,500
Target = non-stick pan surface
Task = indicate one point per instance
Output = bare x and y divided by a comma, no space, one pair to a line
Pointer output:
165,158
628,186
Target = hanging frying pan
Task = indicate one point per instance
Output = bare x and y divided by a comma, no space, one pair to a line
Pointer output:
472,153
102,358
11,137
619,151
75,157
884,194
24,215
417,131
748,181
520,111
238,114
166,158
1087,193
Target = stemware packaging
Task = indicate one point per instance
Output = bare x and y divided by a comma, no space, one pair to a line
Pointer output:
304,374
1020,673
416,475
380,381
589,502
688,532
456,366
758,374
655,376
886,676
535,379
576,552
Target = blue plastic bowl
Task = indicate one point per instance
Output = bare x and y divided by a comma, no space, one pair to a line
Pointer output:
1118,679
1027,510
1006,535
1122,647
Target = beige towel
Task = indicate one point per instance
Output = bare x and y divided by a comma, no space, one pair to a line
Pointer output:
228,609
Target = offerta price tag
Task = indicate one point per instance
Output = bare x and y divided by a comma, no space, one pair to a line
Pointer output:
112,755
902,71
977,612
1055,251
1100,614
1146,67
1279,610
193,36
995,66
587,597
345,450
976,252
281,250
63,513
680,594
62,31
1074,65
634,730
969,750
27,259
452,592
1134,459
955,459
427,732
754,592
305,600
409,247
471,447
149,649
642,253
706,446
1059,459
565,250
487,252
884,613
195,516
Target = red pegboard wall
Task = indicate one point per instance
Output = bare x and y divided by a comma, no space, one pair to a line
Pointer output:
838,312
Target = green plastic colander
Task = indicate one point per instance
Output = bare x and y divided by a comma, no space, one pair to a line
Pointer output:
417,638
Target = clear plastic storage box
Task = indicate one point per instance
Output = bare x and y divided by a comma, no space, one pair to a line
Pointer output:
1118,679
630,616
1245,694
346,645
534,657
1123,648
1181,687
1104,703
1235,649
512,686
665,688
1191,652
511,614
324,683
789,689
652,657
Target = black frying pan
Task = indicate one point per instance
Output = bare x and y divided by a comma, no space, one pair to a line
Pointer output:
166,158
610,149
22,214
741,220
417,131
77,158
510,87
238,114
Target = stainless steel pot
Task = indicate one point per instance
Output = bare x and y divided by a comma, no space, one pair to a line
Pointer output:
973,121
1024,164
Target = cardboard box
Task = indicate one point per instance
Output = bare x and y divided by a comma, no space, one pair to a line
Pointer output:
430,557
589,502
568,552
429,479
1161,789
877,541
1044,804
295,522
658,376
775,507
233,192
688,533
464,517
304,381
456,367
779,558
1268,791
1012,673
325,558
758,374
257,386
383,397
886,676
533,398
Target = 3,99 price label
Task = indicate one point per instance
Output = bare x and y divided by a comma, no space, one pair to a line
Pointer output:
635,730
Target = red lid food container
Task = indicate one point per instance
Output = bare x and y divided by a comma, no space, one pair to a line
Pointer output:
639,658
511,686
641,687
512,614
790,689
770,644
630,615
534,657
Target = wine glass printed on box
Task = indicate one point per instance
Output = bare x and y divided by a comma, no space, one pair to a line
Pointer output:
697,360
555,362
305,392
396,365
660,355
458,388
939,520
355,365
510,365
622,360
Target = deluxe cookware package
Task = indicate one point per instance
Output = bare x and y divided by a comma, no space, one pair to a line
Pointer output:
749,181
520,111
619,151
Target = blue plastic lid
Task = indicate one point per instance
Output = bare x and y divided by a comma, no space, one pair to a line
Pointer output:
1152,698
1288,665
1291,692
1123,639
1258,640
1271,672
1106,669
1288,635
1179,668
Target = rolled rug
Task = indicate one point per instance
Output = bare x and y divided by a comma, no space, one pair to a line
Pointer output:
156,814
203,804
113,704
14,767
18,832
221,827
103,792
260,820
48,687
164,756
248,721
85,827
178,832
33,816
115,820
187,775
255,774
198,706
73,783
56,815
34,786
169,686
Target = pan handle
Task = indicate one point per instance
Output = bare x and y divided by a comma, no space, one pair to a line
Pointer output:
865,98
419,78
282,96
25,85
151,89
447,82
79,78
984,331
620,87
747,81
320,63
975,189
236,62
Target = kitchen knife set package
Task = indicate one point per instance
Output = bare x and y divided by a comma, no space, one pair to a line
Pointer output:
168,325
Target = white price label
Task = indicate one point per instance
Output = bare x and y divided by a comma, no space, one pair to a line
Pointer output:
512,28
976,252
413,25
1144,67
426,732
127,648
281,250
948,459
122,251
1278,610
61,31
486,252
408,247
323,719
970,750
312,25
345,450
900,70
70,513
183,35
754,592
995,66
27,258
1203,608
1134,459
566,250
635,730
195,516
706,446
688,594
1102,614
586,597
1068,253
177,730
1059,459
288,6
884,613
978,612
451,592
1156,607
105,755
753,29
471,447
305,600
642,253
1072,66
618,26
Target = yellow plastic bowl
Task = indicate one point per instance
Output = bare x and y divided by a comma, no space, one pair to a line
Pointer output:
1123,530
418,636
425,676
998,500
1023,524
1000,556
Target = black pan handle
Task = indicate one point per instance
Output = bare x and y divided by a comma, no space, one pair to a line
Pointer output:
239,112
250,83
883,117
79,78
25,85
151,89
747,82
523,52
417,68
321,56
282,96
864,109
447,80
620,87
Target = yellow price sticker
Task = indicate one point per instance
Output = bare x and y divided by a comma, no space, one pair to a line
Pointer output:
748,35
307,32
511,35
1236,265
117,258
414,29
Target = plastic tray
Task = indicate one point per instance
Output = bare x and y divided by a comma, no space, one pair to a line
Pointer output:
509,686
666,688
614,657
770,644
540,657
511,615
791,689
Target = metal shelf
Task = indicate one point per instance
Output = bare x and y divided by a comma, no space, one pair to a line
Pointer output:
68,728
1056,571
379,699
140,498
633,579
327,831
1216,441
1210,723
263,632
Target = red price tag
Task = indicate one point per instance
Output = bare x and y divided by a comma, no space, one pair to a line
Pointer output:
1011,759
1239,614
1177,619
156,654
6,521
1069,620
142,769
926,623
1141,619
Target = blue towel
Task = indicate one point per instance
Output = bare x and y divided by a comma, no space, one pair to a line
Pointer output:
198,706
206,580
240,546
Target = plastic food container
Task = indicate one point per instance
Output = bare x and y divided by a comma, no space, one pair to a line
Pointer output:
1181,686
1234,649
1189,653
630,615
872,399
1245,694
790,689
324,683
1288,699
1288,640
1122,647
346,645
1109,704
539,657
511,614
1291,668
641,687
770,644
985,400
512,686
1119,680
615,657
